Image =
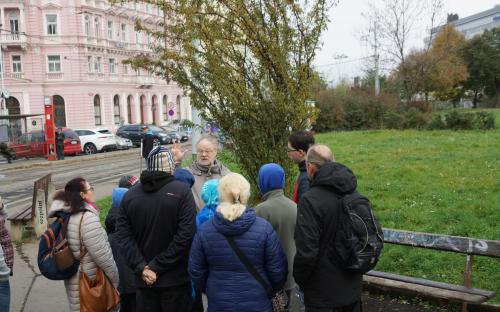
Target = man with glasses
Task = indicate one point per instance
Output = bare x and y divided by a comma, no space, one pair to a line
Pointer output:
298,144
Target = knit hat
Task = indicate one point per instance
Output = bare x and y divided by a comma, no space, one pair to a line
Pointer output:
210,193
127,181
160,159
185,176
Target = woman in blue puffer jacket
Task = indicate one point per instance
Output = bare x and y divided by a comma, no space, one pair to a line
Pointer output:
217,270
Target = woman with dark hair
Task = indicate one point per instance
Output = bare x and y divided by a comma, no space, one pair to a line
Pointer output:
78,198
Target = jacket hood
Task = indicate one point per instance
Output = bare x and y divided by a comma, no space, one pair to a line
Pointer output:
117,196
185,176
209,192
271,177
152,181
337,177
236,227
302,166
215,168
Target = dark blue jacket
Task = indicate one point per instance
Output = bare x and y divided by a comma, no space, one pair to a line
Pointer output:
217,270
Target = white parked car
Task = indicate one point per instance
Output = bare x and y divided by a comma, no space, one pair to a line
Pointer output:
96,140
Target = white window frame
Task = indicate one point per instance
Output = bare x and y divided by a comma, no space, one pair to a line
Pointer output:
56,29
60,63
125,69
86,25
90,64
110,30
18,63
98,64
123,32
112,65
97,26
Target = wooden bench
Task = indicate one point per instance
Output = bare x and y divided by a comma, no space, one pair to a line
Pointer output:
449,292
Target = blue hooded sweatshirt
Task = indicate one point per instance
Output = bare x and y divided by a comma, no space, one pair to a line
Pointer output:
185,176
271,177
117,196
210,196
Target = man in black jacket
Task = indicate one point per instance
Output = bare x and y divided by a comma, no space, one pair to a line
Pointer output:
326,286
155,227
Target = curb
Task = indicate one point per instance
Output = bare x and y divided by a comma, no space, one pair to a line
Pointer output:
73,159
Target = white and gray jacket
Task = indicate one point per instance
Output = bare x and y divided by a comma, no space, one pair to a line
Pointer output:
4,269
95,241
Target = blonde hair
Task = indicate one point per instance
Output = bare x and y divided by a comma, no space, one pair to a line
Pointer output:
234,191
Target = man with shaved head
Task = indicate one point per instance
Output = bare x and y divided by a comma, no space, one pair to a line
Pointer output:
326,286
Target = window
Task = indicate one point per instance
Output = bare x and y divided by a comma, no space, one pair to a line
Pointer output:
89,64
178,106
14,26
54,63
86,25
97,110
51,24
116,109
123,32
136,37
96,26
125,69
137,72
110,30
112,66
97,64
16,64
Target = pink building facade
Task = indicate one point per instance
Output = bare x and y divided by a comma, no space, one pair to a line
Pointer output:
73,50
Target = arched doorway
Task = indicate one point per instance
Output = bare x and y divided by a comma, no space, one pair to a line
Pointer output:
116,109
155,110
165,108
59,111
97,110
142,101
14,108
130,105
178,107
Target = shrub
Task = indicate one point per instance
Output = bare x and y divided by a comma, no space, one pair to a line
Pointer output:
415,119
458,120
436,123
483,121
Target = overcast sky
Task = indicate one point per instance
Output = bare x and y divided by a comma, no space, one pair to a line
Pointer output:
346,23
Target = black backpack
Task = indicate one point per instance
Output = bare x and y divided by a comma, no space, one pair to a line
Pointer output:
359,238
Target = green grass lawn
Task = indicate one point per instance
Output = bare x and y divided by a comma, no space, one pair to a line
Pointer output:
445,182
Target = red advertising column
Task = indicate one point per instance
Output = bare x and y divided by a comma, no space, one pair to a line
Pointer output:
50,131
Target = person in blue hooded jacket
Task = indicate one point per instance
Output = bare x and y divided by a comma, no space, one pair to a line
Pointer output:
280,211
215,268
126,288
210,196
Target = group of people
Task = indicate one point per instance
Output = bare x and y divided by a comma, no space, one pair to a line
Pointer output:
174,234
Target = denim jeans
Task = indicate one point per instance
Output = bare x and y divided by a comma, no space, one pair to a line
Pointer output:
4,295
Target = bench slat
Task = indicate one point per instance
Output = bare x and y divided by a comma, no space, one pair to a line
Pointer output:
420,281
482,247
424,290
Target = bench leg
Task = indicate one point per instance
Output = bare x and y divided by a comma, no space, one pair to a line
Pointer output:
467,277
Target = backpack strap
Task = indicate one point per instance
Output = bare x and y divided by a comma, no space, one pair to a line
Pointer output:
250,268
83,250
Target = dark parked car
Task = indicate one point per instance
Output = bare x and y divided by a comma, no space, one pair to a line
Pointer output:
135,133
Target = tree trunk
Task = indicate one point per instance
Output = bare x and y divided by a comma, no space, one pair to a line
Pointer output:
474,101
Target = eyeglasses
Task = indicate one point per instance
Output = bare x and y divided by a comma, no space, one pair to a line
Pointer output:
207,152
289,150
91,189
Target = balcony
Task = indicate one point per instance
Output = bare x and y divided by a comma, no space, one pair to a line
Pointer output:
16,75
13,39
54,76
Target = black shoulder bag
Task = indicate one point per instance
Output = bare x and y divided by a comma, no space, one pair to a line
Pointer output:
279,298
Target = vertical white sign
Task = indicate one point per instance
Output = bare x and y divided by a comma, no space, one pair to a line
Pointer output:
41,221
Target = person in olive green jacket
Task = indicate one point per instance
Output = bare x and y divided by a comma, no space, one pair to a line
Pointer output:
280,211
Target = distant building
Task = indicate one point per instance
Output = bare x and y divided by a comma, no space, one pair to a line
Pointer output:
475,24
73,50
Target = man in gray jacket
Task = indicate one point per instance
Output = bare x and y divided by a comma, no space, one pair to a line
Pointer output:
280,211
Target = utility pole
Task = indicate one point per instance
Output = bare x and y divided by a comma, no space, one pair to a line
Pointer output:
375,46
